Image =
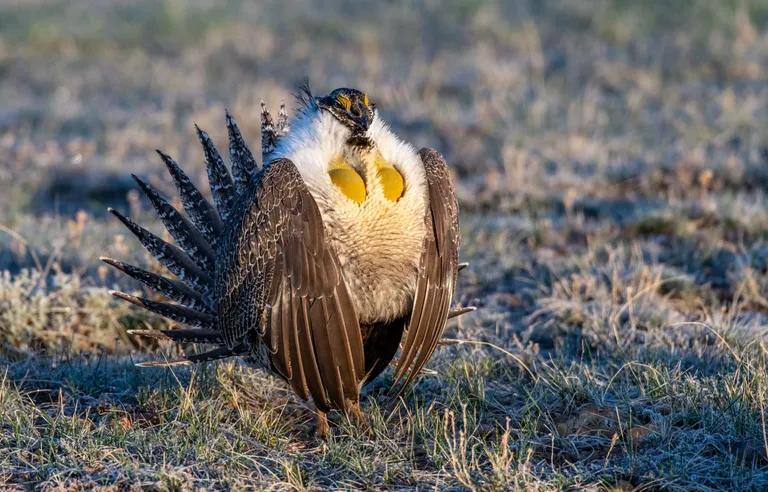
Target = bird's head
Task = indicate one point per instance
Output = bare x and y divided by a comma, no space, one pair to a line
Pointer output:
351,108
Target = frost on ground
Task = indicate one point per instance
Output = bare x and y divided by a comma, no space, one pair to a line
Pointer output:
611,162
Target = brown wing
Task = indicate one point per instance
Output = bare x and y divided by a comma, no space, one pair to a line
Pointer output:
282,286
437,270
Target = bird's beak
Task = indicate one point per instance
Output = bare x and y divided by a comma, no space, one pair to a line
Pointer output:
363,122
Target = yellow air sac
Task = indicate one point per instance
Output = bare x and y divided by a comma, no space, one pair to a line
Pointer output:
392,183
349,182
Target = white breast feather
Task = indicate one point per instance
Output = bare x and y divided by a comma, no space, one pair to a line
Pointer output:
379,242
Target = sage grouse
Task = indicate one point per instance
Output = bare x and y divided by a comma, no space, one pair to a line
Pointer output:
314,265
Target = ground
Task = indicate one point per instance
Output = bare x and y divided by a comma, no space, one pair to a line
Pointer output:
611,160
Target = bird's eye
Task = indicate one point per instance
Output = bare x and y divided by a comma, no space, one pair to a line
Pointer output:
345,101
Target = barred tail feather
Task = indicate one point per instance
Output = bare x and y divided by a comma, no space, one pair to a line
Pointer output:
181,229
268,134
282,122
219,179
181,335
215,354
165,363
461,311
197,235
170,256
271,131
174,312
173,289
200,211
244,166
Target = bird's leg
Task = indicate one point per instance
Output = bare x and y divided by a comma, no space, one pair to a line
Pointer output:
356,413
322,428
358,418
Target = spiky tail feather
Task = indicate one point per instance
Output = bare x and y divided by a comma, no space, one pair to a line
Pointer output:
181,335
271,131
215,354
193,258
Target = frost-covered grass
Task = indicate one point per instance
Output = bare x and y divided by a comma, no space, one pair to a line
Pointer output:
612,162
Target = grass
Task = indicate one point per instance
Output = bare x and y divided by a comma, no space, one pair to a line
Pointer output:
610,162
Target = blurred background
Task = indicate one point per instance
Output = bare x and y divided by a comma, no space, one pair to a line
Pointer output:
611,159
554,105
